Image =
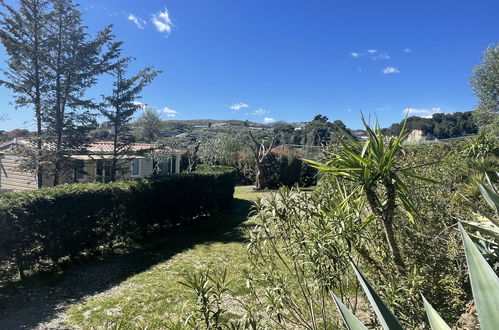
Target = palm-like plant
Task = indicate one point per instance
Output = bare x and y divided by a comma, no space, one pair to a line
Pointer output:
372,167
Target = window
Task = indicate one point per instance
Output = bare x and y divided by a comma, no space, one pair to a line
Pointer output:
168,166
135,168
79,171
103,171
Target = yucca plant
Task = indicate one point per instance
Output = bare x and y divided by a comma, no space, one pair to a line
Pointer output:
484,285
372,167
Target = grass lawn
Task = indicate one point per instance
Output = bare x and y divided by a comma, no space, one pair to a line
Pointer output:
153,297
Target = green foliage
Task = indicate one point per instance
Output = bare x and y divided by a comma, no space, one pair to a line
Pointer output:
282,168
372,168
148,126
482,146
315,233
441,126
43,227
121,105
485,82
484,283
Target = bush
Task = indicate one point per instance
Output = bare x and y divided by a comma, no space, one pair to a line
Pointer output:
279,169
42,227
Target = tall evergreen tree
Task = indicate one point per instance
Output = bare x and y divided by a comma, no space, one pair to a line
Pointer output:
121,105
24,34
75,62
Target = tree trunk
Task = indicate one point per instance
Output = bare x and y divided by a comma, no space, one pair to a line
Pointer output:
38,105
259,177
385,215
115,153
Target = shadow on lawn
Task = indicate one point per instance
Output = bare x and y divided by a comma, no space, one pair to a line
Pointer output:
41,301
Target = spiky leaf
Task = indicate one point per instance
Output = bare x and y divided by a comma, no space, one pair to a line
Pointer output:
350,320
484,284
490,196
385,316
436,322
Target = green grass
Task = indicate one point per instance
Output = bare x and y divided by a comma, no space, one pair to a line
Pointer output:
154,296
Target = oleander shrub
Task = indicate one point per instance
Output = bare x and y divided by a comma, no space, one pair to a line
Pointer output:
279,169
41,228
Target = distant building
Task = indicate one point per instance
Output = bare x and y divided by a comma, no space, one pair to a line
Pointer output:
359,134
170,133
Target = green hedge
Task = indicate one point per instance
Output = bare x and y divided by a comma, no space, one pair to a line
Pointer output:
45,226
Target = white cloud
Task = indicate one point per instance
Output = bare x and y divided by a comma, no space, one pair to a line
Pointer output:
268,120
425,113
162,21
239,106
141,105
169,112
260,112
381,56
407,50
374,53
137,20
390,69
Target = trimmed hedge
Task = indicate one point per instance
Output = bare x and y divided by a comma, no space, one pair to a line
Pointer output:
45,226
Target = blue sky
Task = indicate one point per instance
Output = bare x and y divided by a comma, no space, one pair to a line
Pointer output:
266,60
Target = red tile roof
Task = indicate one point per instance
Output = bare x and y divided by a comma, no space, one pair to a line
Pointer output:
283,150
107,146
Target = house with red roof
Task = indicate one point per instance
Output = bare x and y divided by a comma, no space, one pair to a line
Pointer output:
92,164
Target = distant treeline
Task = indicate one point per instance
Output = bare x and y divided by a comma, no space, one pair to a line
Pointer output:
317,132
440,125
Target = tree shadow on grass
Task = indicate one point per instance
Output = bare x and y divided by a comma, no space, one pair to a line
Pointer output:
41,301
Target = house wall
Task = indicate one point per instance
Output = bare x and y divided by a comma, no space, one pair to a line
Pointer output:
123,169
11,178
146,167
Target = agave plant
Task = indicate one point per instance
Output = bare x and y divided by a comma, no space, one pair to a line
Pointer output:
484,285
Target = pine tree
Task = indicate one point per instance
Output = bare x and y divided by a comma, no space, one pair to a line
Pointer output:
122,105
24,34
75,62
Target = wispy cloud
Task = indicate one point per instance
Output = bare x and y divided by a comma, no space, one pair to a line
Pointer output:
268,120
390,70
381,56
407,50
373,53
170,112
425,113
260,112
162,22
137,20
239,106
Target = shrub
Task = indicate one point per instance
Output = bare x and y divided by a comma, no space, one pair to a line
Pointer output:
42,227
279,169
